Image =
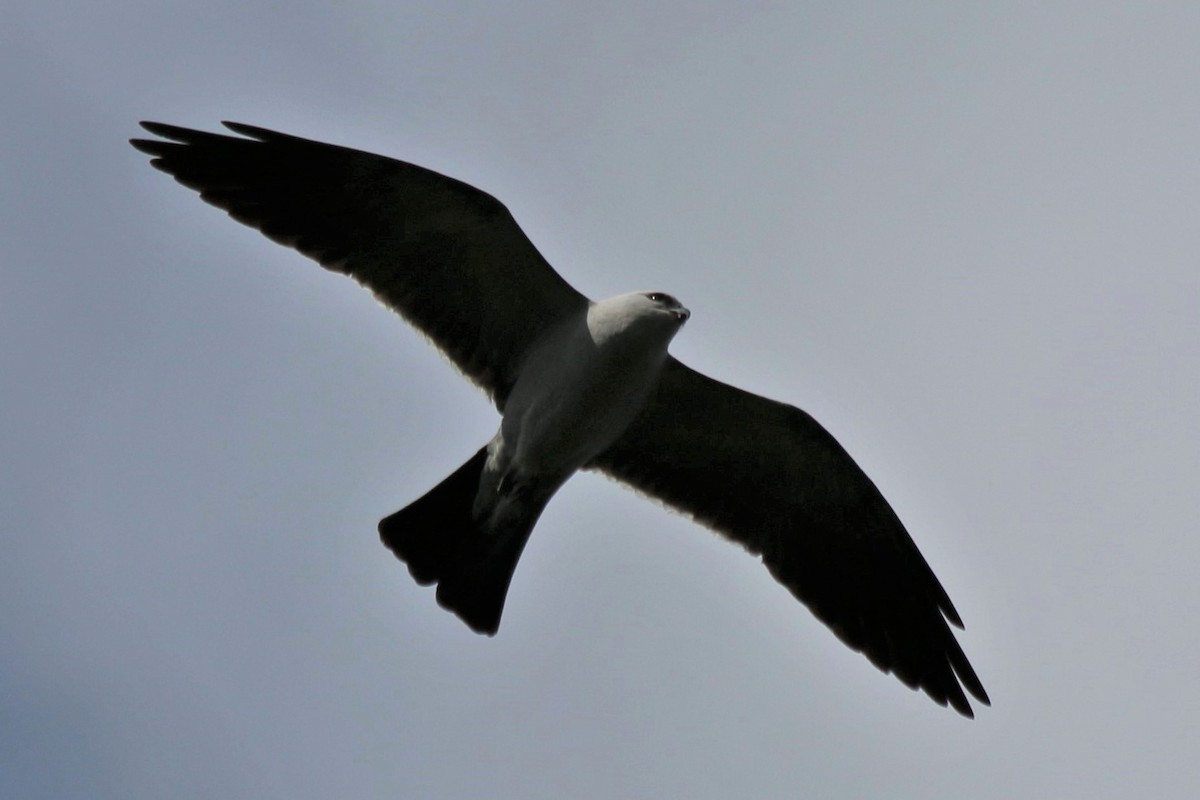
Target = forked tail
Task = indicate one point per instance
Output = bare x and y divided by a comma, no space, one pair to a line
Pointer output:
441,542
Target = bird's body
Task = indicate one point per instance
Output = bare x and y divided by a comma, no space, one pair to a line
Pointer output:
575,393
580,385
584,382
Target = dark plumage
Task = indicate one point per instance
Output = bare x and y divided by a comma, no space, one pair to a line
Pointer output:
453,262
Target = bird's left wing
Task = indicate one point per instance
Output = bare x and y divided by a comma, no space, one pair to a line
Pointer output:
448,257
766,475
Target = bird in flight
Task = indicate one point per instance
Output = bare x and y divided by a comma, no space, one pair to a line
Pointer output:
579,384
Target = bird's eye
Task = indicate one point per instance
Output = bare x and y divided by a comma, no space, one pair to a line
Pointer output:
659,297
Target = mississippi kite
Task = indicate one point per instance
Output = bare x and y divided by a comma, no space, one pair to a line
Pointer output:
579,385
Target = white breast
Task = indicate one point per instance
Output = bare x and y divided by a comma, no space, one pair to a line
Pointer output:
581,387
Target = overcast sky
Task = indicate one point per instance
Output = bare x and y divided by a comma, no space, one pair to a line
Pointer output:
965,237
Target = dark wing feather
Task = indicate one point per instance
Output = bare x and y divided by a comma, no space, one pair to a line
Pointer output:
446,256
768,476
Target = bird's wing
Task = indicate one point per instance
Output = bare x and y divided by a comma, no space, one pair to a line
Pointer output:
446,256
769,477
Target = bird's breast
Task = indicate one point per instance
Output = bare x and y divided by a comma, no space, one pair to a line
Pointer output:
573,399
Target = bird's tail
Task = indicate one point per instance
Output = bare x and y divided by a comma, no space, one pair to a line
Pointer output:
439,539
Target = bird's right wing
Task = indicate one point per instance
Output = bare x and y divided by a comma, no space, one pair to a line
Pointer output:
448,257
766,475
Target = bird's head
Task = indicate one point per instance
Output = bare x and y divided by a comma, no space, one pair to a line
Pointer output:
648,316
661,301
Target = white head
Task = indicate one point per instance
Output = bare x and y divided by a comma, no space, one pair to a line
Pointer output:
645,317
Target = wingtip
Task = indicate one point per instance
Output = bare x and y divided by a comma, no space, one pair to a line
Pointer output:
178,133
173,132
145,145
251,131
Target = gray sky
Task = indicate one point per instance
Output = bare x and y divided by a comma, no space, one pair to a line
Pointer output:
964,238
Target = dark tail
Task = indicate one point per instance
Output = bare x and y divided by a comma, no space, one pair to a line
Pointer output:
440,541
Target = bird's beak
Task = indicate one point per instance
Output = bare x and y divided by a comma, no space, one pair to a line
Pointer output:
682,314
